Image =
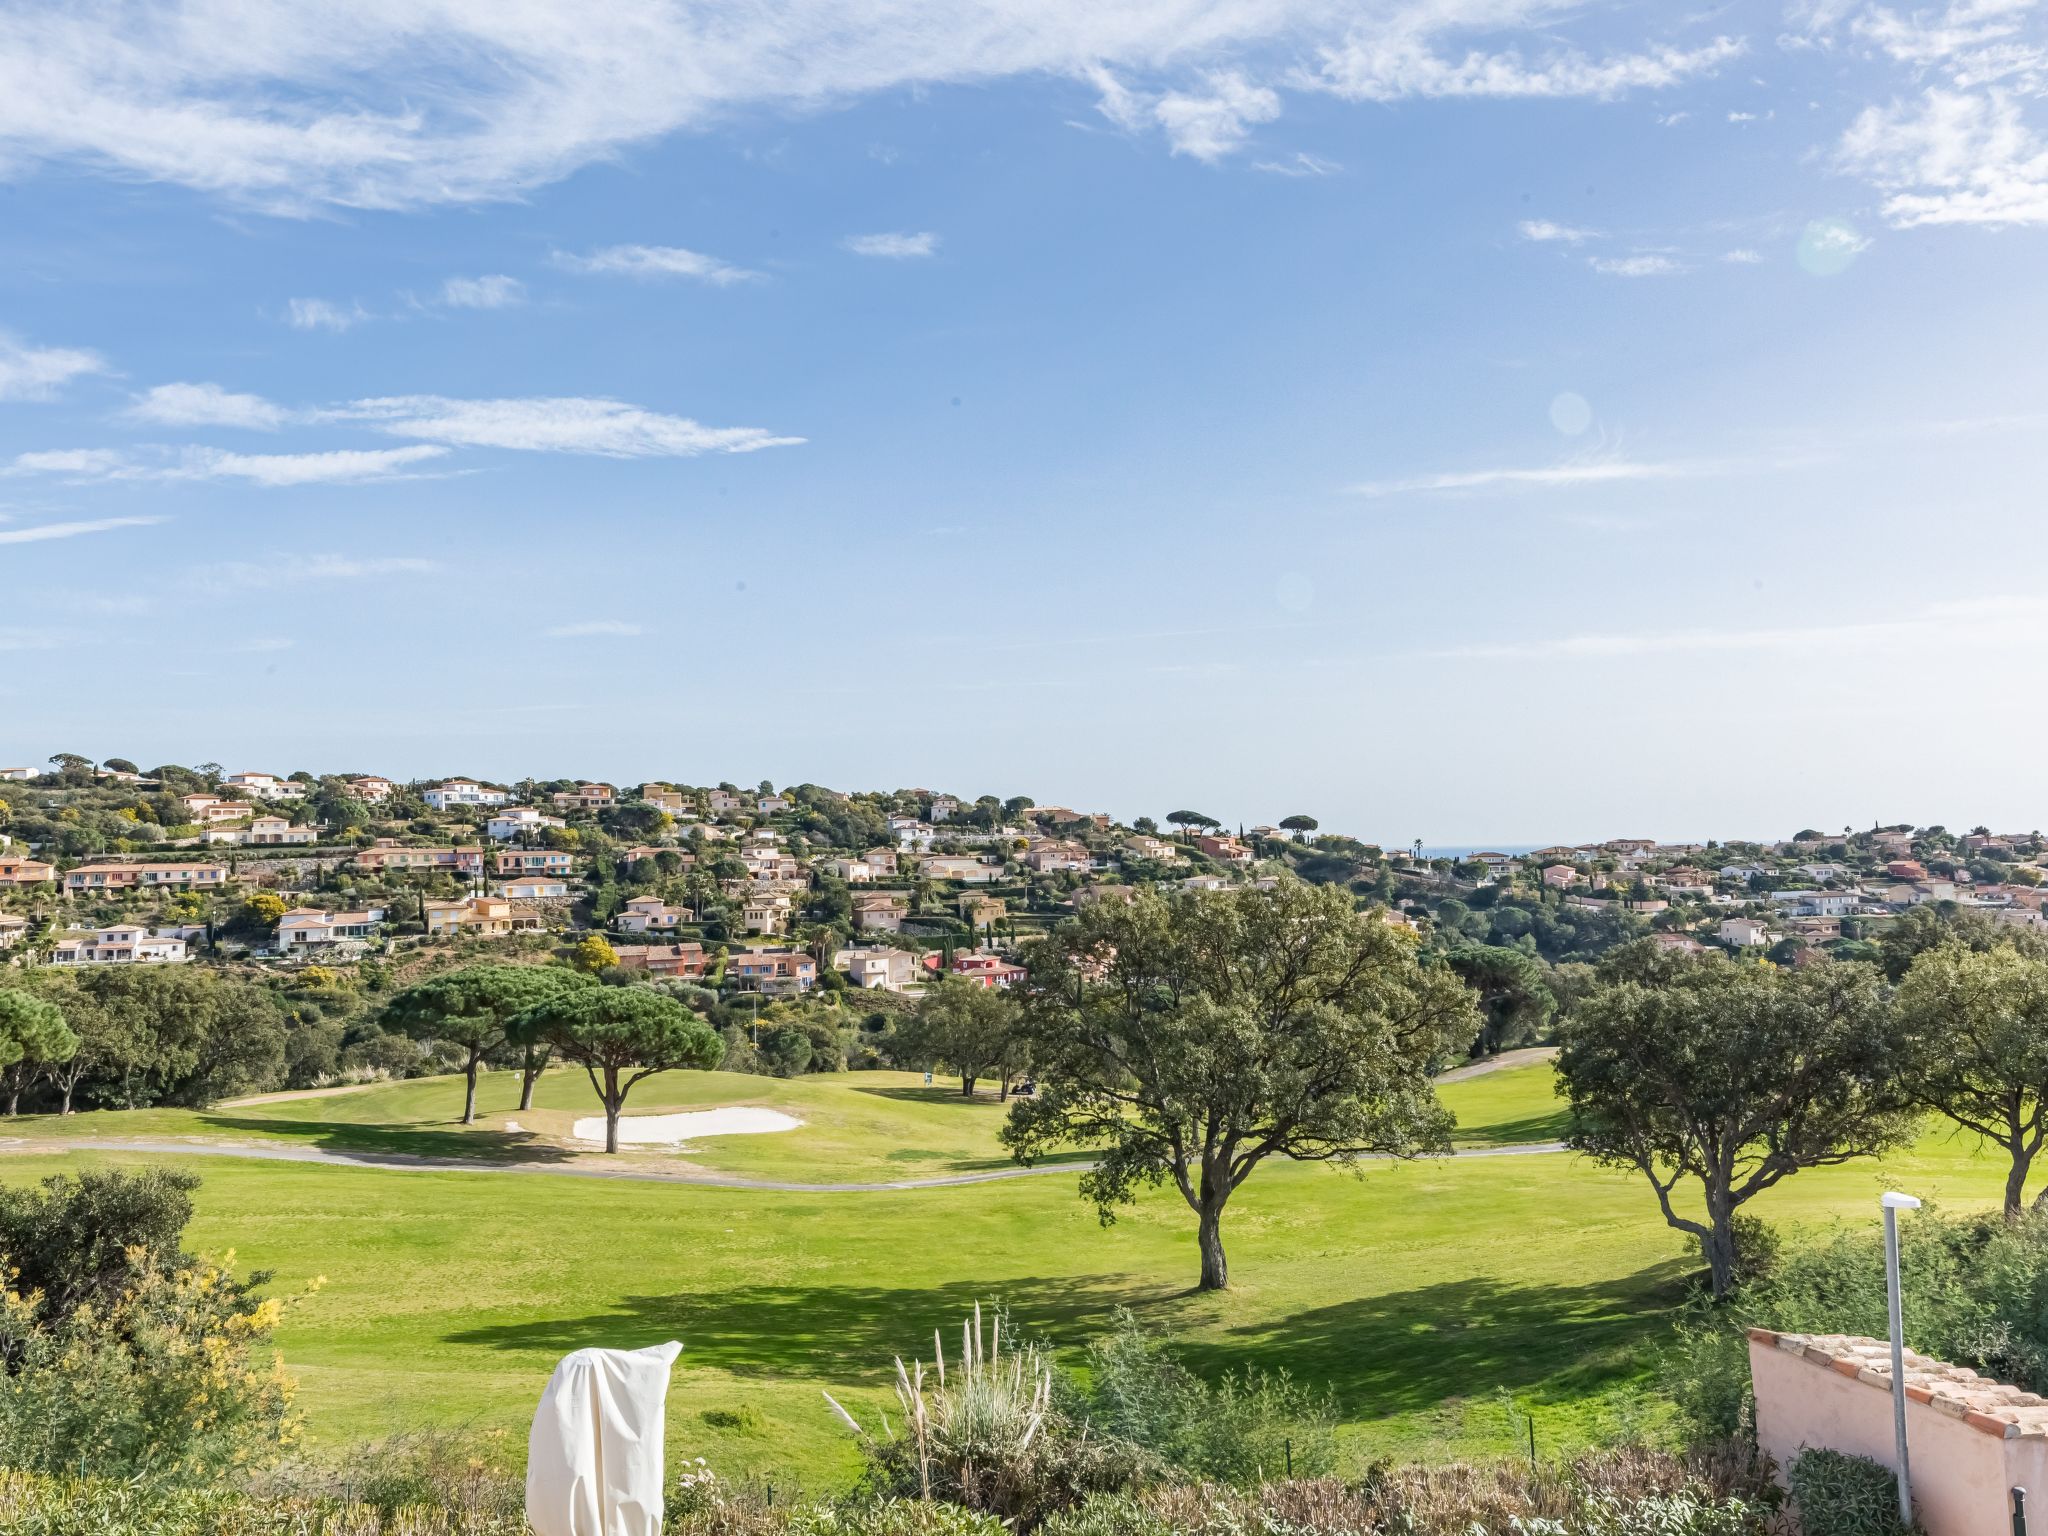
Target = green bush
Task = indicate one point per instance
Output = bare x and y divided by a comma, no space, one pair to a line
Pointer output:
1842,1495
1975,1294
1244,1430
746,1418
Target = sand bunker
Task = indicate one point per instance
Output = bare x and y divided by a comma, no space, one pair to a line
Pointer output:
676,1130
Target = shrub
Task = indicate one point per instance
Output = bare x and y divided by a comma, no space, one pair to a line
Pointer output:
1247,1429
69,1241
1843,1495
168,1380
989,1435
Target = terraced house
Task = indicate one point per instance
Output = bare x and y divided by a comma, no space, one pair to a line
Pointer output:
387,853
94,878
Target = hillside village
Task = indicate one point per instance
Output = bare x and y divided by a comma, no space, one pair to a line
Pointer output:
783,891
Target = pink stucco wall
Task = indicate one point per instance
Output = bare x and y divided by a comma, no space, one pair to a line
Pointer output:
1969,1442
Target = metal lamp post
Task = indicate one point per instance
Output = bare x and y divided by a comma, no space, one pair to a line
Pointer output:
1894,1202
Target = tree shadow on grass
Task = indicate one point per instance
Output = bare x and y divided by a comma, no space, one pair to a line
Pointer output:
1548,1126
1460,1338
826,1332
939,1093
346,1138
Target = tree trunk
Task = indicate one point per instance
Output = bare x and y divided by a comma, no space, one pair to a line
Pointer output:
966,1086
1719,1247
1215,1267
67,1096
611,1109
14,1098
529,1074
2016,1181
469,1090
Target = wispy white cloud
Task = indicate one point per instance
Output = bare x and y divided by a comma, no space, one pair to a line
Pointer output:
1207,121
207,405
569,425
1213,121
18,638
1300,163
1642,264
286,570
40,532
342,466
894,247
324,315
1742,256
38,373
1544,231
492,291
592,628
1969,623
650,261
393,107
1403,60
1576,472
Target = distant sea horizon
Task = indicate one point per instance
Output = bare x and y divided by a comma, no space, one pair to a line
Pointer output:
1465,850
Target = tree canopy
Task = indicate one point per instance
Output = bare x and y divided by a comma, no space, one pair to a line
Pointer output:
1731,1074
33,1035
471,1007
973,1029
619,1036
1193,1036
1975,1026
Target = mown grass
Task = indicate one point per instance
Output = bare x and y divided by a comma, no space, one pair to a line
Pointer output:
859,1127
1420,1291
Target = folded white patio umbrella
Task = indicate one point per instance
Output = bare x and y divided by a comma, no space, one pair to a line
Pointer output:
594,1460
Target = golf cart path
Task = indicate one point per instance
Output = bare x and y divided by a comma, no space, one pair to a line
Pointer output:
1500,1063
403,1161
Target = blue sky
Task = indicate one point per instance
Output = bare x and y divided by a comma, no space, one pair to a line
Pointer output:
1461,419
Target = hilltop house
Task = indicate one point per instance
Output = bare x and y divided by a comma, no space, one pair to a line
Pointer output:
305,926
886,970
1560,876
371,790
1140,846
533,861
662,798
17,873
1054,853
264,831
774,971
265,786
944,808
882,912
663,959
724,802
950,866
209,810
532,888
1744,932
458,792
986,970
588,797
17,774
773,805
852,871
483,916
1224,849
645,914
764,912
981,910
123,944
517,820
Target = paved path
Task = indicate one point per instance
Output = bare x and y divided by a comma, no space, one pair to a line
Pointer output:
1505,1060
408,1162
